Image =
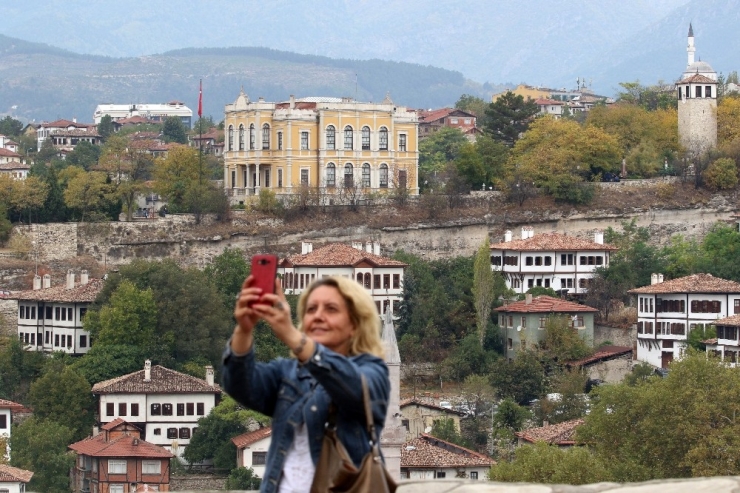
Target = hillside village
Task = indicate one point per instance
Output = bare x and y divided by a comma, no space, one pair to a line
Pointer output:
550,267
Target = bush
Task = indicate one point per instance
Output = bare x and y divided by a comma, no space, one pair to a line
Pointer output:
242,478
665,191
721,174
268,202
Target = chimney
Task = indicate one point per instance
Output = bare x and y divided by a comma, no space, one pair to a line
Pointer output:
291,104
36,282
531,232
528,299
84,278
653,278
357,245
525,233
507,236
306,247
70,279
74,119
369,247
209,375
660,278
376,248
136,442
599,237
148,371
46,283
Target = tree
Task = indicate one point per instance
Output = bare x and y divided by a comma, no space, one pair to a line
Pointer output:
469,166
632,428
203,125
544,463
87,192
511,415
562,342
129,318
445,429
228,271
29,195
105,127
509,117
173,130
651,98
720,252
106,361
242,478
18,368
40,445
62,394
493,156
641,373
10,126
472,104
484,284
85,155
721,174
436,151
522,379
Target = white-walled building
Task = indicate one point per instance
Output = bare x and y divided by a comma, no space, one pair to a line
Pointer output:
164,403
428,457
251,450
155,112
550,107
550,260
668,310
7,408
13,479
381,276
66,134
50,318
726,345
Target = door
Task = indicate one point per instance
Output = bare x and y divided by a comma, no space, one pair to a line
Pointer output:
667,358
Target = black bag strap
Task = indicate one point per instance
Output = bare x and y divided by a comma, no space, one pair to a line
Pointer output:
368,413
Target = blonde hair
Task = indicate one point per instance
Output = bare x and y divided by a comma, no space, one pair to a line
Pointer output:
362,312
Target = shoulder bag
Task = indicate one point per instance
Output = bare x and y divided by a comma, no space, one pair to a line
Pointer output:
335,471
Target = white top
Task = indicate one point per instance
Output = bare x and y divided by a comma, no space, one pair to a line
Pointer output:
299,470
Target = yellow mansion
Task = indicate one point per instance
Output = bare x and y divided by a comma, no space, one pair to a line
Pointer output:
331,144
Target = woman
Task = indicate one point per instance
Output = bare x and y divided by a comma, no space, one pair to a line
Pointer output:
337,341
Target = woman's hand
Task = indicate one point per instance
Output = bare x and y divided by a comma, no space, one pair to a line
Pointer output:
275,310
246,316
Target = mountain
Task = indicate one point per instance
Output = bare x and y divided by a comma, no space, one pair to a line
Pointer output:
43,83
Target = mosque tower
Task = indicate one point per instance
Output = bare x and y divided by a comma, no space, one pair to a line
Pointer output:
394,433
697,103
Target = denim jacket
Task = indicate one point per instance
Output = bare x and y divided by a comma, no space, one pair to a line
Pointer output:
293,393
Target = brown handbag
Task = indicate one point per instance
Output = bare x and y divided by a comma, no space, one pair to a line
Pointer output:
335,471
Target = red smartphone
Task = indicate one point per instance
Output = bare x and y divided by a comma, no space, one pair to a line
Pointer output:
264,270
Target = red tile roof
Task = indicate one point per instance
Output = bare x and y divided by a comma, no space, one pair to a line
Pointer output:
13,406
551,242
731,320
545,101
133,120
162,381
559,434
8,153
114,423
428,451
123,446
434,115
247,439
601,354
696,283
697,78
81,293
14,165
10,474
545,304
339,254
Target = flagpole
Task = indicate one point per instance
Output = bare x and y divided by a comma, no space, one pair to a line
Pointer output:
200,128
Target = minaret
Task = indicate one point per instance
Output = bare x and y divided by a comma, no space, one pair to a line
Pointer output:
394,434
690,49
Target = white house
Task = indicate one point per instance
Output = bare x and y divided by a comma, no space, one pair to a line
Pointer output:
727,344
551,260
668,310
164,403
251,449
50,318
66,134
550,107
381,276
156,112
13,479
7,408
12,163
427,457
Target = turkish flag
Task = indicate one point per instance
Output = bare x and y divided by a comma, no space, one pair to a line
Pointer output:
200,100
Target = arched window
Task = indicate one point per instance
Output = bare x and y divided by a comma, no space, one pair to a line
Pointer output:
365,138
265,136
252,136
366,175
331,175
359,277
367,280
231,138
348,137
383,176
241,137
349,181
331,137
383,139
